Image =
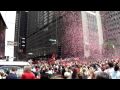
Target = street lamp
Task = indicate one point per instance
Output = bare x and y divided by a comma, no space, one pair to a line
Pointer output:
52,40
23,38
30,53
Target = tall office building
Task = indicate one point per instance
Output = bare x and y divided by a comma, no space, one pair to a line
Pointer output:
70,34
111,32
20,35
41,33
81,34
90,34
2,37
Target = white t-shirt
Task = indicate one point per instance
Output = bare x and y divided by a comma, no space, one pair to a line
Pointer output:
109,71
33,69
0,77
98,71
57,66
50,72
71,72
115,75
67,74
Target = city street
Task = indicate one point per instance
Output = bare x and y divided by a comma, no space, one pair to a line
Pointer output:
75,44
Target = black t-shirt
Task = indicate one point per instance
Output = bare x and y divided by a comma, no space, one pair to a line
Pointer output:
63,71
74,75
44,76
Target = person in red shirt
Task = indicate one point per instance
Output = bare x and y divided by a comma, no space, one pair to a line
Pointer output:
28,74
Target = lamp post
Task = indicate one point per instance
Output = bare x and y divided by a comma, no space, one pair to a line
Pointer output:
56,33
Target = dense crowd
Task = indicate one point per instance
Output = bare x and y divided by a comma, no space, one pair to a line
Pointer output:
67,69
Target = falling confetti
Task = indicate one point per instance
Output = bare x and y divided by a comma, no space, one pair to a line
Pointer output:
72,35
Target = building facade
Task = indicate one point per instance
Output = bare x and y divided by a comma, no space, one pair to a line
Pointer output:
81,34
2,37
111,33
41,33
20,35
91,37
71,34
76,37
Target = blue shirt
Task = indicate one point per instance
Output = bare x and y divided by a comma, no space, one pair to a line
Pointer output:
12,76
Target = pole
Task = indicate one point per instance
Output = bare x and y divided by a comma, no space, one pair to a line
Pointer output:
18,36
56,37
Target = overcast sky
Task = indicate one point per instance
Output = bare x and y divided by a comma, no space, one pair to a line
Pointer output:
9,18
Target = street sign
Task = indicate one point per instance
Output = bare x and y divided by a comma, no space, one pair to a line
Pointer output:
11,43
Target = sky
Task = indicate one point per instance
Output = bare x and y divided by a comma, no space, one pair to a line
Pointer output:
9,18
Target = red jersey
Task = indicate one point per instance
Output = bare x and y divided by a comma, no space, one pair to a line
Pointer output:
28,75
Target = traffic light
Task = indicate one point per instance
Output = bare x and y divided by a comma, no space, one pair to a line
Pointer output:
22,43
59,51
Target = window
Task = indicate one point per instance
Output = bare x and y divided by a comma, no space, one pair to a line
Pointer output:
46,29
118,12
45,17
113,19
50,16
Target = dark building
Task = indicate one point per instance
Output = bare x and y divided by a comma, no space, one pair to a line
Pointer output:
41,33
58,32
111,33
2,37
20,35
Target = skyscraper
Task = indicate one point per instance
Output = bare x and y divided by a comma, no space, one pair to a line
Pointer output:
71,34
41,33
92,33
111,32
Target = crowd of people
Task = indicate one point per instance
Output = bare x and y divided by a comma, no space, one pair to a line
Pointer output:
67,69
